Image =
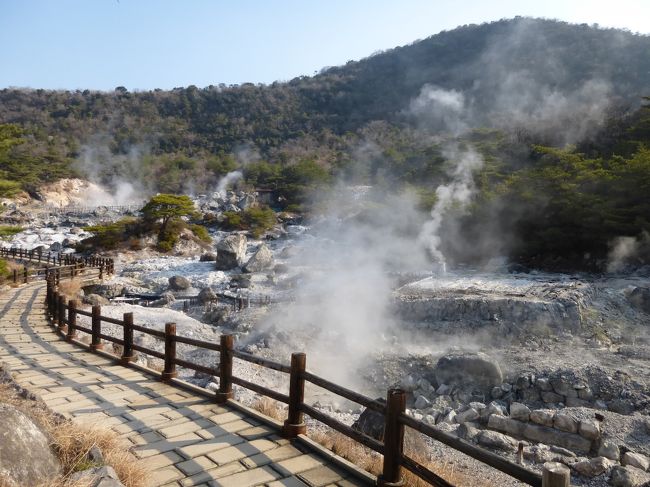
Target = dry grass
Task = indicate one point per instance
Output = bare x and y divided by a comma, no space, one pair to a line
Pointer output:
72,442
70,288
415,447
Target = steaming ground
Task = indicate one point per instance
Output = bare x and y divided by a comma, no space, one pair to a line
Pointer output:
372,311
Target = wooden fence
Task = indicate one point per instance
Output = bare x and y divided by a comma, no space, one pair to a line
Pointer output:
64,317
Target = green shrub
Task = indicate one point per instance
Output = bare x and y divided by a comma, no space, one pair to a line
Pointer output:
201,233
109,236
255,220
9,230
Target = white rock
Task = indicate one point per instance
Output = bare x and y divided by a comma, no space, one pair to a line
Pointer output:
519,411
636,460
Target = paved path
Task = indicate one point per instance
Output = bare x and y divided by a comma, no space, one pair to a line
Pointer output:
186,439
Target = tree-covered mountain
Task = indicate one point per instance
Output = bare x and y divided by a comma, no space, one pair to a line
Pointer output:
553,109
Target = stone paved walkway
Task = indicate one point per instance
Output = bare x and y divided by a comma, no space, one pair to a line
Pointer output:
186,439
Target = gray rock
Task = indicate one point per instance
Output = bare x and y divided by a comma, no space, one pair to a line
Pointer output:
628,476
562,385
543,384
443,390
590,429
610,450
470,414
106,290
592,467
564,422
422,403
95,455
551,397
165,300
25,454
56,247
179,283
499,441
586,394
101,477
231,252
574,402
95,300
636,460
449,417
506,425
551,436
371,423
543,417
496,393
469,431
208,257
621,406
468,368
207,295
519,411
261,260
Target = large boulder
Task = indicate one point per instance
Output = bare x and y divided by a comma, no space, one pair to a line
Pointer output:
231,252
629,476
207,295
371,423
261,260
179,283
108,291
25,454
463,369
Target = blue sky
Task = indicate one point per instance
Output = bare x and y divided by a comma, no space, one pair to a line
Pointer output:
146,44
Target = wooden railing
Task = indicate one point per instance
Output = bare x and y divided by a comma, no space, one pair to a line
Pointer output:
58,260
64,317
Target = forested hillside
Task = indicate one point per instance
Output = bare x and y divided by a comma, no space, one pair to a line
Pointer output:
553,109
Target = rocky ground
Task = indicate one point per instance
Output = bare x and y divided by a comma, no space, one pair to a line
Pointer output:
559,362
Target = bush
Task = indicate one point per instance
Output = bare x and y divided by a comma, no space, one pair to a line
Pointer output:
9,230
5,271
110,235
201,233
255,220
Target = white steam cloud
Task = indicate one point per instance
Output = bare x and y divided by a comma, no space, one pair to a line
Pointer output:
342,304
228,180
456,194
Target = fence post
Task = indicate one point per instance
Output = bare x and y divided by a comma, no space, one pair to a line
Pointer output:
55,308
101,272
169,372
72,320
393,439
96,343
555,474
127,349
225,369
25,274
294,424
15,276
61,306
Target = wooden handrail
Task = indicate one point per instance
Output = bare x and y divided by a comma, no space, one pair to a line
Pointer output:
395,418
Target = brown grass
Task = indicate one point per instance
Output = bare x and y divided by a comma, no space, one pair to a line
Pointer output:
70,288
415,447
72,442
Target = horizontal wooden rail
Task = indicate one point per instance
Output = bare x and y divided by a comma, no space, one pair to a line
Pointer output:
265,391
344,392
199,368
148,351
149,331
264,362
199,343
393,410
519,472
424,473
343,428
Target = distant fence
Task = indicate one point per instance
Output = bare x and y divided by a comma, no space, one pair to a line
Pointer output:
64,317
84,210
56,265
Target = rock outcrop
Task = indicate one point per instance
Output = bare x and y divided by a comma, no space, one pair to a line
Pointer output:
459,368
25,454
231,252
261,260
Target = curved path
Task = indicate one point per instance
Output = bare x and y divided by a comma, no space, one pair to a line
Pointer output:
185,438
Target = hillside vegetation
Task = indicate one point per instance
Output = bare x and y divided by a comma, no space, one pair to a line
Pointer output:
554,110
